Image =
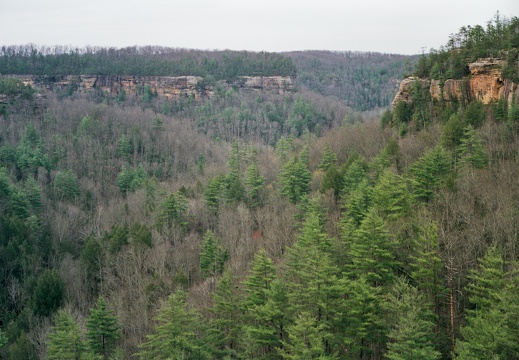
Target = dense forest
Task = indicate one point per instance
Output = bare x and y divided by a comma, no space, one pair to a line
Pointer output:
141,61
365,81
253,225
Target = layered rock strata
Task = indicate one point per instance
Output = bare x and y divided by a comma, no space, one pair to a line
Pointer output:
171,87
484,84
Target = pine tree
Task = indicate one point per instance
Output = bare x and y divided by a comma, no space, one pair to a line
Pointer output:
313,279
411,327
263,309
4,340
358,202
212,255
177,334
173,211
427,266
215,192
254,184
103,330
48,294
363,325
471,151
391,195
354,175
65,339
430,172
226,327
371,251
294,179
306,339
491,330
329,158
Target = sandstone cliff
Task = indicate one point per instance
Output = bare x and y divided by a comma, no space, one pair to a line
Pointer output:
484,84
169,87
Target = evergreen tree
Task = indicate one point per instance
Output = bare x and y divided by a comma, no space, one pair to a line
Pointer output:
427,266
65,339
177,334
430,172
226,326
328,159
103,330
254,184
215,192
491,329
48,294
173,211
411,327
294,179
371,251
363,325
313,279
354,175
359,201
391,195
306,339
4,340
212,255
66,185
471,151
264,309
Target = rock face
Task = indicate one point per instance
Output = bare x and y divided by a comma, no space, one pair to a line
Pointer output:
484,84
166,86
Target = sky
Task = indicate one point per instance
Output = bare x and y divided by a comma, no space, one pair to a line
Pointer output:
389,26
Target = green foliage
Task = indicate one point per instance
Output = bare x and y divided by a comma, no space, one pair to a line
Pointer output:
471,151
328,159
212,255
294,179
65,340
474,114
283,147
143,61
371,251
131,179
177,333
91,259
359,202
391,195
430,172
13,87
305,339
411,326
215,192
452,132
124,148
254,185
4,340
48,294
103,330
66,185
173,211
427,266
226,326
140,235
116,238
491,329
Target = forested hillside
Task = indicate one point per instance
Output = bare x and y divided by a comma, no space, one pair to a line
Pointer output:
365,81
257,225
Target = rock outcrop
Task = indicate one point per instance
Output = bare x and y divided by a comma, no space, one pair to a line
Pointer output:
484,84
171,87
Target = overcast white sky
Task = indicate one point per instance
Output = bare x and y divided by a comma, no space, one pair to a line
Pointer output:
391,26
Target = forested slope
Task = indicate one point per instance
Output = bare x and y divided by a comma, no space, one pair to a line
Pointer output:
364,80
256,226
